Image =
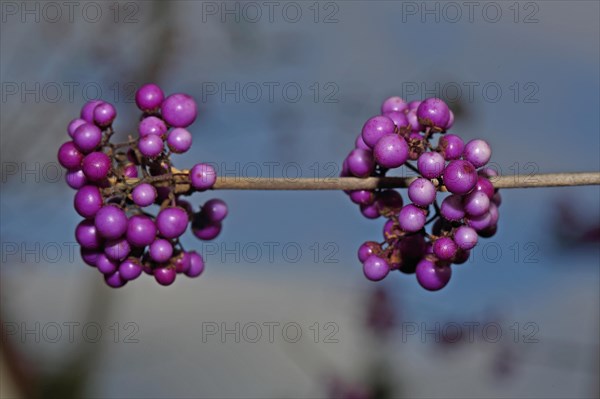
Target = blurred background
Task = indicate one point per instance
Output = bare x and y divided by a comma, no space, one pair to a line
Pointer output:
282,309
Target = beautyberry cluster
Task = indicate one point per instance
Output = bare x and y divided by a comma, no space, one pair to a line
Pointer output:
118,186
406,132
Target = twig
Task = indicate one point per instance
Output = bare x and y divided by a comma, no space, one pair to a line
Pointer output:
182,184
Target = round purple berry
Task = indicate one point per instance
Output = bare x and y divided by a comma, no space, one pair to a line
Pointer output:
421,192
214,210
96,166
375,268
165,275
451,146
87,235
104,114
88,201
431,164
114,280
111,221
203,176
452,208
69,156
106,265
152,125
476,203
375,128
141,231
144,194
411,218
179,110
444,248
87,111
478,152
196,265
432,276
391,151
465,237
150,145
130,269
160,250
179,140
367,249
460,177
394,104
75,178
434,112
172,221
73,125
149,97
361,162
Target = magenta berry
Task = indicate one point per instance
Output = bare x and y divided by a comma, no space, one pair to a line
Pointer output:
391,151
95,166
152,125
433,112
111,221
432,276
196,265
375,268
104,114
69,156
375,128
172,222
179,110
149,97
203,176
460,177
179,140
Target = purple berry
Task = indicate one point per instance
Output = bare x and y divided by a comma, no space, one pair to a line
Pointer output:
431,164
444,248
96,166
413,105
179,110
202,176
362,197
144,194
179,140
394,104
69,156
388,202
452,208
361,162
390,151
149,97
160,250
75,178
106,265
87,236
114,280
196,265
399,118
478,152
111,221
433,112
141,230
479,223
151,145
117,249
87,111
360,143
89,256
88,201
421,192
152,125
460,177
413,121
130,269
375,128
411,218
165,275
104,114
462,256
375,268
370,211
172,222
73,125
431,276
465,237
130,171
476,203
214,210
367,249
204,229
451,146
485,186
450,121
182,262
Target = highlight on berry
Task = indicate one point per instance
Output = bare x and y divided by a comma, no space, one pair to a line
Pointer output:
423,237
132,213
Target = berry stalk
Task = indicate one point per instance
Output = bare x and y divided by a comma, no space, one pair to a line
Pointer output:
370,183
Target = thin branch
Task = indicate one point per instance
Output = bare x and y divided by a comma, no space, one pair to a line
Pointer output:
182,184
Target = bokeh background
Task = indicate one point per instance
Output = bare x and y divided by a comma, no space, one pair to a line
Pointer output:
283,89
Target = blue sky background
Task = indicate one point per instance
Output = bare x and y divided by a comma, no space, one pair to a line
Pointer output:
374,50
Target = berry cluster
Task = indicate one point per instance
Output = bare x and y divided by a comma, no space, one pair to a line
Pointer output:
407,132
118,185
